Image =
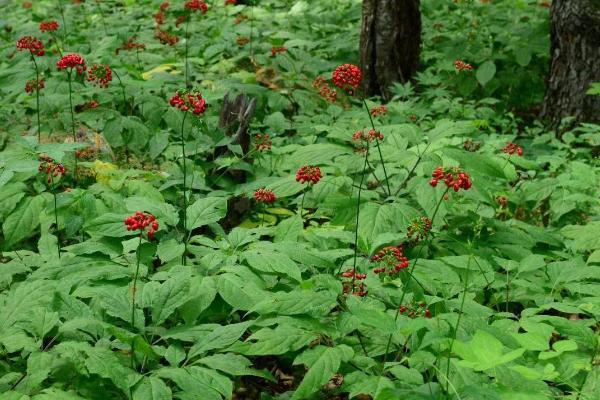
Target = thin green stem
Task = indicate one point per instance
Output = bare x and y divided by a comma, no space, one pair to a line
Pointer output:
62,15
37,98
184,255
70,73
362,178
405,288
133,293
387,181
302,202
55,213
454,332
412,170
187,38
123,91
251,30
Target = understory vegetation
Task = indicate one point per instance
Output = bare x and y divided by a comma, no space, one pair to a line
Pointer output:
198,202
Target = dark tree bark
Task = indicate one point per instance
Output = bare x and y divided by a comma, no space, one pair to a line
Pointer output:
390,43
575,52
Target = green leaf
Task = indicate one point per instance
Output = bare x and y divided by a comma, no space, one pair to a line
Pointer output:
24,221
234,365
170,295
322,370
297,302
109,224
206,211
484,352
485,72
220,337
271,262
151,388
280,340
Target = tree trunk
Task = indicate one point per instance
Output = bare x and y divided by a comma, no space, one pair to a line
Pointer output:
390,43
575,52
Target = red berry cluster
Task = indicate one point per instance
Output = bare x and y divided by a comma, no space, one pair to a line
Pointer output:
325,91
380,110
48,26
453,177
51,169
166,38
86,106
242,40
353,284
100,75
180,20
34,85
263,195
142,221
462,66
86,153
367,137
72,61
196,5
27,4
412,312
347,77
309,174
164,6
129,45
502,201
512,148
230,2
419,228
159,18
35,46
262,142
391,260
277,49
186,101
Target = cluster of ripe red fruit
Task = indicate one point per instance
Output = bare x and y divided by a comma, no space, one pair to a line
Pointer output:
367,137
462,66
48,26
347,77
35,46
189,101
512,148
391,259
72,61
419,228
411,311
453,177
353,285
51,169
32,85
262,142
100,75
263,195
379,110
309,174
140,221
196,5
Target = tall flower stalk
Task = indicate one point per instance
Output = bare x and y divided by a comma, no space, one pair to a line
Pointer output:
36,49
186,101
142,222
369,113
190,7
72,62
52,171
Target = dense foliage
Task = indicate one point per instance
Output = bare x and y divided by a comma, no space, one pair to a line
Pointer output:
443,245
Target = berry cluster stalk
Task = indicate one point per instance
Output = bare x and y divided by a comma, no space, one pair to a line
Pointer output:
72,120
37,98
410,273
387,181
184,255
362,179
133,293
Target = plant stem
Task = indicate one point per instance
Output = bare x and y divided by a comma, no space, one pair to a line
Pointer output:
454,332
72,120
62,15
302,203
37,98
251,30
183,256
55,213
405,288
412,170
362,178
387,181
123,91
134,289
102,17
187,23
